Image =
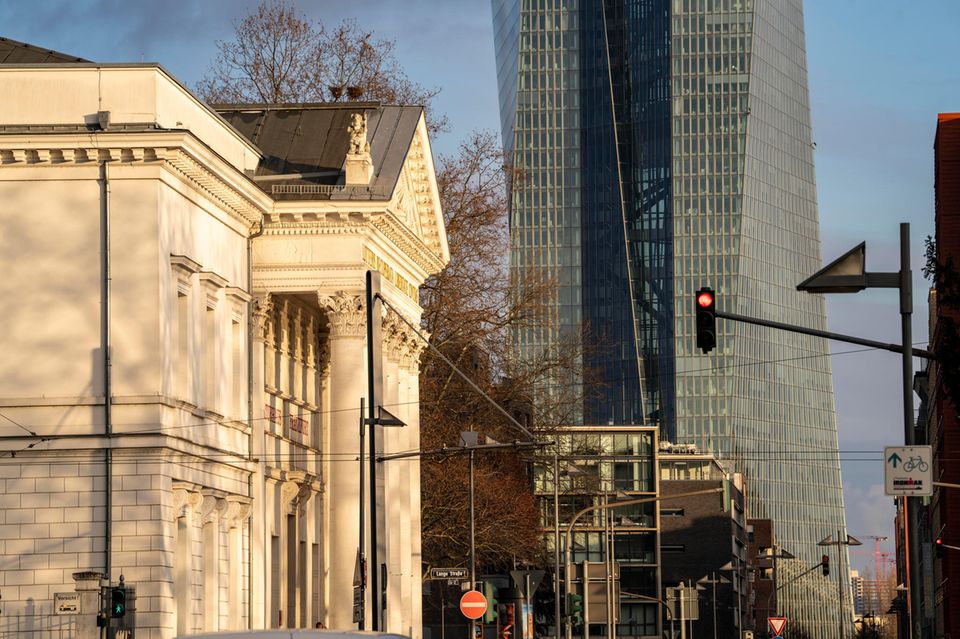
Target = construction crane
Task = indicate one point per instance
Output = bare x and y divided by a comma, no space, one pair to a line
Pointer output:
880,565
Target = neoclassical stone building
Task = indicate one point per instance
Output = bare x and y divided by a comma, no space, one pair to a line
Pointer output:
217,257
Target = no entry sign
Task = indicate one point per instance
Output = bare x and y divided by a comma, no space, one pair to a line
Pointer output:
473,604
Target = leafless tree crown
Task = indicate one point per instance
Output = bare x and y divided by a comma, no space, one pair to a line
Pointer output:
278,56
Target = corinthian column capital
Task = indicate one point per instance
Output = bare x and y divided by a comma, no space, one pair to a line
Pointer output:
345,313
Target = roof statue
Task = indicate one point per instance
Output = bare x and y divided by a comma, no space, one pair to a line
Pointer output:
358,134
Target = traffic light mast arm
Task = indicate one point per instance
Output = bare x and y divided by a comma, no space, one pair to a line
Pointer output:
894,348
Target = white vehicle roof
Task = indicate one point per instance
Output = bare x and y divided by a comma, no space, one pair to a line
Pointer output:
292,634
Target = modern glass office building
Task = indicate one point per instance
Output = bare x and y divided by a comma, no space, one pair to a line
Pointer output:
661,146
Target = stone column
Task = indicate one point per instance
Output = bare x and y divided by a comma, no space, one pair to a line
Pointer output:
88,585
260,329
347,329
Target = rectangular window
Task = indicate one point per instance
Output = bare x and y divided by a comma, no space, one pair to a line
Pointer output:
237,375
671,512
673,548
276,616
182,370
210,359
181,577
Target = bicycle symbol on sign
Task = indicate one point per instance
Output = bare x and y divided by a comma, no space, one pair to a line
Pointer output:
916,462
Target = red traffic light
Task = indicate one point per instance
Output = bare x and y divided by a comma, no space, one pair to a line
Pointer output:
705,299
939,541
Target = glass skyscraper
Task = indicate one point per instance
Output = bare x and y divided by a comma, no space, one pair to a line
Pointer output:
661,146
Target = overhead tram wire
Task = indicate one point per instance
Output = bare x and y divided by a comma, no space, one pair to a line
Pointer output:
249,422
453,367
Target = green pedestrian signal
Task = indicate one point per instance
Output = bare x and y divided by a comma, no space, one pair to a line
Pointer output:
118,601
575,608
490,594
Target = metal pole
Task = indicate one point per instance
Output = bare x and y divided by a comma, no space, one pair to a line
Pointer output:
683,613
371,392
840,580
607,547
443,612
906,311
713,579
473,552
556,542
473,555
617,504
363,554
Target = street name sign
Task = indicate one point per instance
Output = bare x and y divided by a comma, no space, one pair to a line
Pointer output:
473,604
448,573
777,624
66,603
908,471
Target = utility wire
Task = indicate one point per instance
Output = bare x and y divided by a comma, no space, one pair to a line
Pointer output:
453,366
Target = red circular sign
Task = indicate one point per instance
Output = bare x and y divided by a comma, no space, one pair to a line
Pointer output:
473,604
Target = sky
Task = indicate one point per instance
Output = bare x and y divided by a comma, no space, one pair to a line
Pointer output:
879,72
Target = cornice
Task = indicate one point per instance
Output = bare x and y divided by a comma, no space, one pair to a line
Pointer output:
408,242
177,151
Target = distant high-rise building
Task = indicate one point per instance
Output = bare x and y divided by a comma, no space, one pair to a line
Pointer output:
661,146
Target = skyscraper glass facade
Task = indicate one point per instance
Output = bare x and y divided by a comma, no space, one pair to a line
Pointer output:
665,145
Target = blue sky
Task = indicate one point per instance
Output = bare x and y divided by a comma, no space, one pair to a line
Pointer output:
880,71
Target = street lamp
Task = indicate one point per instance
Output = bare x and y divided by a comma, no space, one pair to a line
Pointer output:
713,580
783,554
849,541
607,506
848,274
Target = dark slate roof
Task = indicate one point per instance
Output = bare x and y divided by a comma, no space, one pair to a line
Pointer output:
304,146
13,52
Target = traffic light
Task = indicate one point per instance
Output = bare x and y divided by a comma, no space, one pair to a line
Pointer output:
705,305
575,608
938,546
490,594
118,601
825,564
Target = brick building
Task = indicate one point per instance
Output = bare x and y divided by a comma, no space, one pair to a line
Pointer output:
943,424
703,538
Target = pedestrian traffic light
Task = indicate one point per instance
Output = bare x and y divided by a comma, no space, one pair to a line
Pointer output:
938,545
575,608
490,594
706,312
825,564
118,601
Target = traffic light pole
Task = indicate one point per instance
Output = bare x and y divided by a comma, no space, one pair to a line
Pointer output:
848,274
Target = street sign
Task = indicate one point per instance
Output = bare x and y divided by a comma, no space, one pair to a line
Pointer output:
777,624
473,604
908,471
448,573
66,603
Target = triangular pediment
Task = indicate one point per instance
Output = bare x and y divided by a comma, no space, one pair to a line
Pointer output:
416,199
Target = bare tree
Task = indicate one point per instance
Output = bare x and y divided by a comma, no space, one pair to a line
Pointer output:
272,59
471,308
278,56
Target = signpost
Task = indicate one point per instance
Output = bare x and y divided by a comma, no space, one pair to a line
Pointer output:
450,574
473,604
908,471
777,624
66,603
